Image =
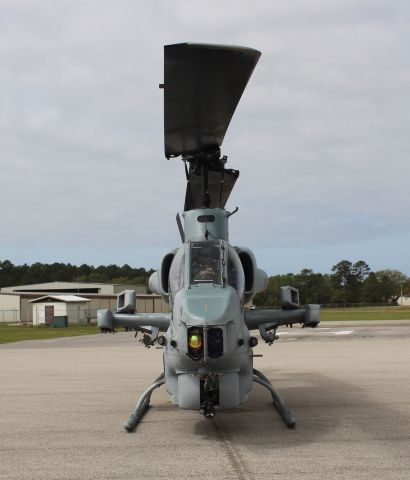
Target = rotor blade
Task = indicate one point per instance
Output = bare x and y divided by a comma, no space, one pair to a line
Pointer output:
203,85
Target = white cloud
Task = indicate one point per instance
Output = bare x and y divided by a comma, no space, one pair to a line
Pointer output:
320,137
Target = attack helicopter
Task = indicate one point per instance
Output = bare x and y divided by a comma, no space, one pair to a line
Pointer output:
208,283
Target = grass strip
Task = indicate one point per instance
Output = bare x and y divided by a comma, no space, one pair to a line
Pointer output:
16,333
374,313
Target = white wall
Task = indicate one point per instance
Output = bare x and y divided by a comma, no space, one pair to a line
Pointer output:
9,308
403,301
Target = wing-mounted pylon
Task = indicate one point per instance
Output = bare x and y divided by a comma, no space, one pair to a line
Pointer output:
267,321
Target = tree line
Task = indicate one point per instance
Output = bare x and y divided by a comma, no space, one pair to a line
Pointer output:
348,283
13,275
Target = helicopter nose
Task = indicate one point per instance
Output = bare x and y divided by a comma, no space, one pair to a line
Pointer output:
208,306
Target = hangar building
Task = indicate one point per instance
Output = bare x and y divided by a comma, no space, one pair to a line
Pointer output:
15,303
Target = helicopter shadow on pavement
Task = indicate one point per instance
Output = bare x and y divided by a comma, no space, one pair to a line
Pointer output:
325,409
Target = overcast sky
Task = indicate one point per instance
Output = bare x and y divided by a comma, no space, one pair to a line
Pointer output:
321,135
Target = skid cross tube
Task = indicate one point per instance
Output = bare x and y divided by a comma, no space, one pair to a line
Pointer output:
142,405
287,416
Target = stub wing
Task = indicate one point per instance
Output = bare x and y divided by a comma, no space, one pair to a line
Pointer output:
267,320
109,321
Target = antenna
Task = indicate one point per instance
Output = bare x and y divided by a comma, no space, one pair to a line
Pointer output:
180,228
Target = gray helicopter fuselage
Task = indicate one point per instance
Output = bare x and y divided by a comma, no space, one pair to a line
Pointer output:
206,293
212,312
208,283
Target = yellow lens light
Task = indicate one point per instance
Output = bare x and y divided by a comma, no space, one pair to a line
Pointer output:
195,341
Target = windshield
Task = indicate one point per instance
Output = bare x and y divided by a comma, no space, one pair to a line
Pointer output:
206,262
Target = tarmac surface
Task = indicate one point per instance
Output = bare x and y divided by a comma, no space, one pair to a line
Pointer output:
63,402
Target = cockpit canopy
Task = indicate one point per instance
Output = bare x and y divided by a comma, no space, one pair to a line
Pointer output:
208,262
211,262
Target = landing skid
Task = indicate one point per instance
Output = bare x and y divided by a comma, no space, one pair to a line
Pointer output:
278,402
258,377
142,405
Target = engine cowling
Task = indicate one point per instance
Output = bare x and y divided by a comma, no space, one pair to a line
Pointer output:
256,279
159,280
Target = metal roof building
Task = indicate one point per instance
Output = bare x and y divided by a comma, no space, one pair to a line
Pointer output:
74,288
46,308
16,306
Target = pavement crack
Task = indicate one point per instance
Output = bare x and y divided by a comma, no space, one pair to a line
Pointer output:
235,459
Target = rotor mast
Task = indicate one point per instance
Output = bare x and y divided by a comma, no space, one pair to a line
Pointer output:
205,179
205,199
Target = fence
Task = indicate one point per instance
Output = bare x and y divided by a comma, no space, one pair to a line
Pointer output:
13,316
83,317
356,305
90,315
335,305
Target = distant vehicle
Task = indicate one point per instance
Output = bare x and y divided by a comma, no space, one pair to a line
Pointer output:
208,346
